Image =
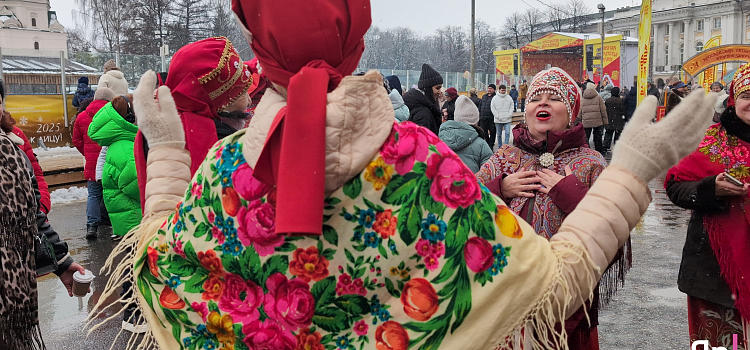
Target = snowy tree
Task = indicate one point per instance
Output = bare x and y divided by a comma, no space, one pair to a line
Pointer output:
512,33
532,23
577,12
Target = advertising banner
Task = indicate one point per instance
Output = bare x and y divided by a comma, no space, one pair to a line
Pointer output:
552,41
644,48
504,65
41,118
704,60
611,62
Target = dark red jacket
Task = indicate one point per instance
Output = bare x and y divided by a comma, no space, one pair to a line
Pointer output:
81,140
43,188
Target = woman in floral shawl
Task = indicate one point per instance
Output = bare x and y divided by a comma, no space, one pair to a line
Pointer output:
715,269
325,225
546,173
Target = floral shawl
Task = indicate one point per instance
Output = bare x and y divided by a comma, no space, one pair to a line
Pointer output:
415,253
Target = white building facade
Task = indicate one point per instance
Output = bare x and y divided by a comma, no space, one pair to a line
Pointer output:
682,28
29,28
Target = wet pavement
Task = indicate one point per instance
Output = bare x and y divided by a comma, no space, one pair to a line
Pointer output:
648,312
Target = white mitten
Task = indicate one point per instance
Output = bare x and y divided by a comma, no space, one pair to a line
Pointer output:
648,149
158,120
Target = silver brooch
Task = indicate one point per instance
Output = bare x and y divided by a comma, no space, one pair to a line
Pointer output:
547,160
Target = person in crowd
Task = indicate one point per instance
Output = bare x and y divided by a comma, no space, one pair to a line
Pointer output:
721,102
83,92
715,270
653,90
23,221
486,118
502,110
616,116
593,115
522,89
113,79
676,95
546,173
474,98
395,84
514,95
90,151
464,136
451,94
606,90
257,88
248,251
114,127
423,101
399,107
8,124
630,102
211,97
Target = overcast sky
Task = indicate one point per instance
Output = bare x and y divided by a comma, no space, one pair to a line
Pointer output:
421,15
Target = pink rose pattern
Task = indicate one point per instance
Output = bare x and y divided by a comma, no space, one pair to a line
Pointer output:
250,282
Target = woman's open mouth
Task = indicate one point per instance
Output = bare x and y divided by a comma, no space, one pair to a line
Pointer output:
543,116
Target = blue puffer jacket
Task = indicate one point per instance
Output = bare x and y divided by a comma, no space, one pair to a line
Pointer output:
466,141
83,92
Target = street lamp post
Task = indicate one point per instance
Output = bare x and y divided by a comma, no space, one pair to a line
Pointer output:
601,57
473,48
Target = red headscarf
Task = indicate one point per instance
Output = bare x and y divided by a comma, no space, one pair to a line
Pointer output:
306,50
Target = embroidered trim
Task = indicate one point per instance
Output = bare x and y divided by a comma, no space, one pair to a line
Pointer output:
228,49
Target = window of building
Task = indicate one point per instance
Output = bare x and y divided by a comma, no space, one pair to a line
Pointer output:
682,27
682,52
666,53
666,30
747,21
33,22
36,45
717,22
699,46
699,24
625,33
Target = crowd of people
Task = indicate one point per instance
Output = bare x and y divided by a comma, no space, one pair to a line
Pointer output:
288,202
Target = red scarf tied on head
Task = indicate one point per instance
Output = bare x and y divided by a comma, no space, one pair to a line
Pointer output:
728,232
307,51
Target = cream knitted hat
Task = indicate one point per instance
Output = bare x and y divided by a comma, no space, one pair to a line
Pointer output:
466,111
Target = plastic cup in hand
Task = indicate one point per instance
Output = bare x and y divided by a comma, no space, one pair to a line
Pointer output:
82,282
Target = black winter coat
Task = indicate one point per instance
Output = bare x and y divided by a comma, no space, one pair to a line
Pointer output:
631,101
615,113
485,110
477,101
700,274
421,111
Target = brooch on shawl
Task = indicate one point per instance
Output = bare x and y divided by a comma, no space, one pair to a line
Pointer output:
547,159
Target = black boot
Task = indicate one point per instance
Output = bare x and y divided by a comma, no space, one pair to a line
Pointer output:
91,232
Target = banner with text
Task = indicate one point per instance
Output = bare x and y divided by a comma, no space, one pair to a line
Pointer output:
644,48
41,118
611,62
504,66
552,41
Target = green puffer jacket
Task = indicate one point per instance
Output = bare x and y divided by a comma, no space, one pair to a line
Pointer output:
466,141
119,181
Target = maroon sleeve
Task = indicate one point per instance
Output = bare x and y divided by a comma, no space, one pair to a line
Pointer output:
140,167
567,193
44,202
496,186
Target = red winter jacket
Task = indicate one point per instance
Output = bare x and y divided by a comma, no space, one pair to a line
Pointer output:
43,188
81,140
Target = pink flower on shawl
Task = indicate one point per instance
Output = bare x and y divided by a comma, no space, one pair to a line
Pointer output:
478,254
452,182
241,299
289,302
246,185
179,249
201,309
407,144
196,190
258,227
361,327
267,335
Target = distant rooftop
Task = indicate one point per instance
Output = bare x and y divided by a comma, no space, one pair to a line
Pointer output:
44,65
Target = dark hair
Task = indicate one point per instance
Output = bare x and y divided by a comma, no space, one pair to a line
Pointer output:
2,90
84,104
430,97
492,86
615,91
122,105
503,87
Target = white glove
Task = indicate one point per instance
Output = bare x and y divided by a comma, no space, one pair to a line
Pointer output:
648,149
158,120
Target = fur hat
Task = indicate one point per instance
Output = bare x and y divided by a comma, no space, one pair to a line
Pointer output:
110,65
429,77
104,93
556,81
466,111
216,66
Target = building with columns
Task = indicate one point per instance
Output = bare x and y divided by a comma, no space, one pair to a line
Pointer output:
683,28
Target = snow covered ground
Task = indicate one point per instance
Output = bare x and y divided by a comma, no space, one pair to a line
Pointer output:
56,152
67,195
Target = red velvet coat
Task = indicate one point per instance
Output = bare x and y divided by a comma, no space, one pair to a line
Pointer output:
43,188
81,140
